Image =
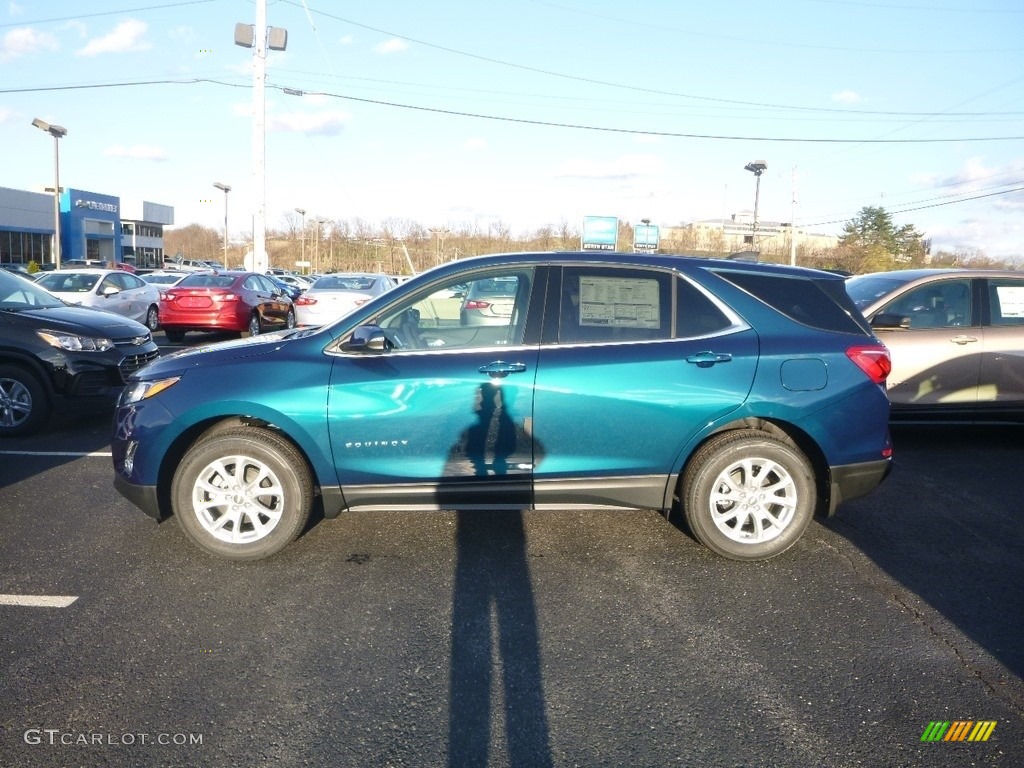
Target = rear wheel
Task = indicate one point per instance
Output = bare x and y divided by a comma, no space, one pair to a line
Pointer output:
289,320
24,406
153,318
748,496
242,492
176,336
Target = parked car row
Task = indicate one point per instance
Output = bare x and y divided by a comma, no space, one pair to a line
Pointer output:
955,336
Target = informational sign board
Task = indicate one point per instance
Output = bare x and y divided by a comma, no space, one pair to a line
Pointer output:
646,237
600,233
620,302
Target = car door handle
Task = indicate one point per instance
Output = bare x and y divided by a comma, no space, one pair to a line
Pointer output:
709,358
500,369
963,339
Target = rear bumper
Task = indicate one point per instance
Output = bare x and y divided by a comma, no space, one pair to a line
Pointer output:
852,481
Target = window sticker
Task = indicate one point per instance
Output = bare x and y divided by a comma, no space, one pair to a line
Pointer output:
1011,300
619,302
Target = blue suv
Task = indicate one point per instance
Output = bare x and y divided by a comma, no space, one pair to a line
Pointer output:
748,396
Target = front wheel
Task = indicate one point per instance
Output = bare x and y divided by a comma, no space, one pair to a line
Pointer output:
254,324
243,493
23,403
748,496
289,320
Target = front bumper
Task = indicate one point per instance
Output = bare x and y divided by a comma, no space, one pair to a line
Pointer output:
142,496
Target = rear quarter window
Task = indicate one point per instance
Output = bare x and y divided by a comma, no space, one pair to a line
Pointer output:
823,303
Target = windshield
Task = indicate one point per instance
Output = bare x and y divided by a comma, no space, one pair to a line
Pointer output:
69,282
865,289
17,293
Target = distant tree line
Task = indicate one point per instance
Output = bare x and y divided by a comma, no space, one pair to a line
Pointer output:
870,242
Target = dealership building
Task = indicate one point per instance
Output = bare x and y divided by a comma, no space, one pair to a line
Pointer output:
92,226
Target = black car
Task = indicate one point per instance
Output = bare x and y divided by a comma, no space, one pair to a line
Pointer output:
57,356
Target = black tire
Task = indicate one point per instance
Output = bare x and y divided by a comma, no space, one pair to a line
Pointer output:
254,324
748,496
241,522
289,320
153,317
24,406
174,336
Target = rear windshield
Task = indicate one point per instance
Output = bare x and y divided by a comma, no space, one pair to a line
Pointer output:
207,281
865,289
345,283
818,303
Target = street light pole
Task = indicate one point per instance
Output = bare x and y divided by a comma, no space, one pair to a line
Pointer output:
757,167
225,188
58,132
302,213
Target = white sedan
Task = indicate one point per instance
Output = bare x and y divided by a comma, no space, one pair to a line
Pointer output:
334,296
111,289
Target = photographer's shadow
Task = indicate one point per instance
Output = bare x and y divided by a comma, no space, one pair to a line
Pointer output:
494,620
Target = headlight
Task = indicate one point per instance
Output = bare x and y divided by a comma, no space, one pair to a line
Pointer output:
73,343
137,391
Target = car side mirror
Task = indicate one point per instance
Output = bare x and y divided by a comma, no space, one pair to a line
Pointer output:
368,338
890,320
110,290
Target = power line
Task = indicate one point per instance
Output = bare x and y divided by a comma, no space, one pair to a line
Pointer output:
78,16
521,120
923,207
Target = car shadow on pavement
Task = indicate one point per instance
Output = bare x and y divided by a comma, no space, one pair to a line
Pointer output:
66,438
947,526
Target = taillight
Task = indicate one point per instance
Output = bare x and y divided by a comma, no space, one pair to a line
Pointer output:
305,301
228,297
873,360
477,304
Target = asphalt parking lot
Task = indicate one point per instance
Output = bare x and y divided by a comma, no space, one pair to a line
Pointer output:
555,638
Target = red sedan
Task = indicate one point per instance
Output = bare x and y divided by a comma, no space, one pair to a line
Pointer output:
224,301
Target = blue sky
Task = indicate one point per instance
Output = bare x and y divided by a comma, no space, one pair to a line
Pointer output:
526,112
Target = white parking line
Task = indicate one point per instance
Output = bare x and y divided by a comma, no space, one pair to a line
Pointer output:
95,454
39,601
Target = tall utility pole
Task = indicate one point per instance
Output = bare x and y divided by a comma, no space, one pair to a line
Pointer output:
792,223
302,213
58,132
255,36
225,188
757,167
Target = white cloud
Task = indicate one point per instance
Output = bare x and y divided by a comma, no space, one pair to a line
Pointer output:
328,123
394,45
346,40
475,143
23,41
625,167
5,114
847,97
137,152
77,27
13,9
126,36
